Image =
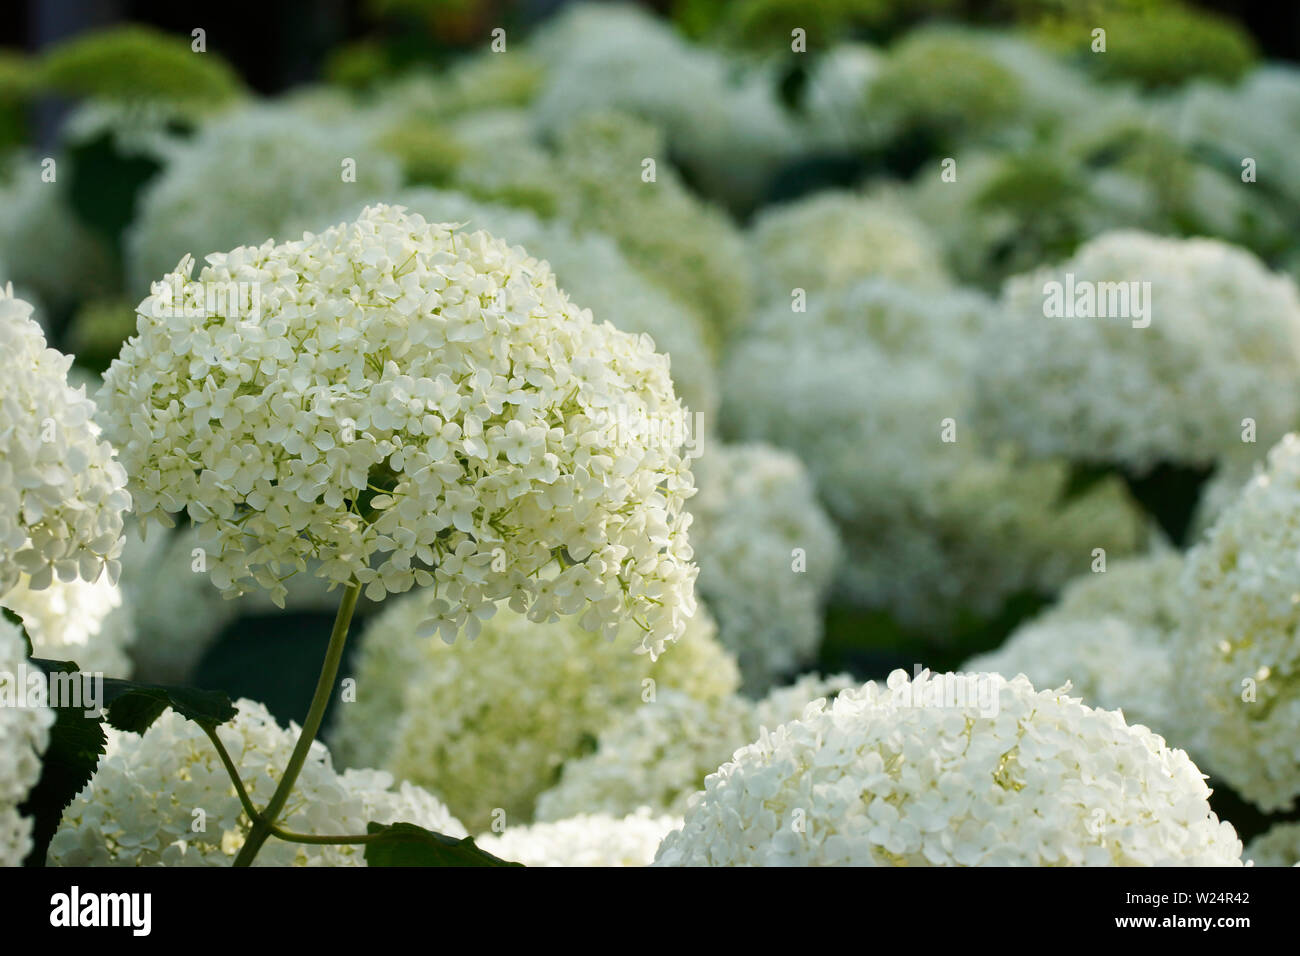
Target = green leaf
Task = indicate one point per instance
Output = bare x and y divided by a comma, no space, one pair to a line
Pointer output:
12,617
76,744
134,707
405,844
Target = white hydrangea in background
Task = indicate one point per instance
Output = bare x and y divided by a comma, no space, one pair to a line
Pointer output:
1222,329
1255,118
413,406
62,493
658,755
880,777
721,117
755,508
692,248
87,622
834,102
1111,636
860,387
1237,658
44,246
138,809
490,722
24,735
585,840
244,176
834,238
1277,846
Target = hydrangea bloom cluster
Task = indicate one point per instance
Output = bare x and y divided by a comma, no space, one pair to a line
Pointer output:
585,840
245,176
24,734
1110,636
911,774
658,755
62,493
410,405
767,554
490,722
833,239
139,807
1238,659
1277,846
82,621
863,388
1109,389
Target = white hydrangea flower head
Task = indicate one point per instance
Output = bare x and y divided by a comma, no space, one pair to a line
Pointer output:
837,238
24,735
138,808
659,755
1238,656
1279,845
932,772
1101,390
410,406
62,493
584,840
860,388
490,722
767,554
1111,636
247,175
87,622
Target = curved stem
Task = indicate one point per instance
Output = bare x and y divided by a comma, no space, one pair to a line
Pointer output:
342,838
231,769
263,825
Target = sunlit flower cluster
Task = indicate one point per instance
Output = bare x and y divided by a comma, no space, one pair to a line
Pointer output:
409,405
909,774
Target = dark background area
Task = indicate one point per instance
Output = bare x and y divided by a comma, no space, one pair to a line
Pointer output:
279,43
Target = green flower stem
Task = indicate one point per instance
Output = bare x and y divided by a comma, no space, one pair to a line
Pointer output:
326,839
264,824
231,769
